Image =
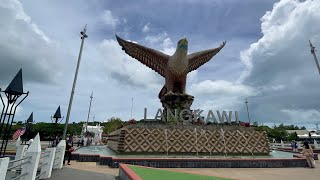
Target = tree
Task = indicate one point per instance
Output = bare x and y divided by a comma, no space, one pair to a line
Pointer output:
113,124
293,136
279,132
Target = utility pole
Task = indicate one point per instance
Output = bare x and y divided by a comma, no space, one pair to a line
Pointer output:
83,35
93,121
248,110
89,111
313,52
131,107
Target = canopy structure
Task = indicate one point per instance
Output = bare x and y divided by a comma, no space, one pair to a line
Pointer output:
306,136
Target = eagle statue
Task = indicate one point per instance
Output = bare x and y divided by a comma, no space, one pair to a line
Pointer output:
173,68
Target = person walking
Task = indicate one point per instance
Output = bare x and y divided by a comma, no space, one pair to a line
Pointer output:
69,149
295,146
292,145
308,152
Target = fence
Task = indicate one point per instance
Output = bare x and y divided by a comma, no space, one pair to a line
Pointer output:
30,163
288,145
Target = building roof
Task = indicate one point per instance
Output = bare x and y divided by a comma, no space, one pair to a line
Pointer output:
299,132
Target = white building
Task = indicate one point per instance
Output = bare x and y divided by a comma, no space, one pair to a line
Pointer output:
97,130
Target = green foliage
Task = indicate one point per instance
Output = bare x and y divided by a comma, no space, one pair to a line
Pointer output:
279,132
293,136
255,124
47,131
112,124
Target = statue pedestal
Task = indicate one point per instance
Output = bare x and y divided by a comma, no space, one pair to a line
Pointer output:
177,101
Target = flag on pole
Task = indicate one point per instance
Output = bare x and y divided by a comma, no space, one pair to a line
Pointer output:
19,133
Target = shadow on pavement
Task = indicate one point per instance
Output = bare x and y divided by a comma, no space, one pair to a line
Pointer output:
69,173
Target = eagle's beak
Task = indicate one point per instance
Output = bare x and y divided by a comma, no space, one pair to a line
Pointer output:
184,41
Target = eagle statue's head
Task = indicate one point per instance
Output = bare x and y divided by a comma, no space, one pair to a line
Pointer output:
182,45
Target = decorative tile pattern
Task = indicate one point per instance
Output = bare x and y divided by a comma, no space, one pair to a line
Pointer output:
153,140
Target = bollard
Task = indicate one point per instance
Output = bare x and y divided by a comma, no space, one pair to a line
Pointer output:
85,140
59,155
34,151
4,162
316,145
48,160
282,144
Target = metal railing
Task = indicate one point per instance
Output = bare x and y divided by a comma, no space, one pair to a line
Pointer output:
21,175
20,159
19,165
38,176
9,168
39,164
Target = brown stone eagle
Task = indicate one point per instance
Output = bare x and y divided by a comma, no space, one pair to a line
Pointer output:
173,68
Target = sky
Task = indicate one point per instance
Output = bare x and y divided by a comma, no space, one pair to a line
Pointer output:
266,59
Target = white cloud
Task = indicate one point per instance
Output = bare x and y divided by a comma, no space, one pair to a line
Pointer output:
24,44
280,65
286,31
161,41
146,28
168,47
310,116
19,109
192,77
156,39
109,19
222,88
16,7
220,95
219,103
126,69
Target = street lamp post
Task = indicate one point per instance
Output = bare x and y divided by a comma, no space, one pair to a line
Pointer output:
248,110
89,111
131,107
83,36
12,93
313,52
56,118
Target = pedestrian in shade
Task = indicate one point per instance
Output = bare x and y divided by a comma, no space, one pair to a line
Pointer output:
69,149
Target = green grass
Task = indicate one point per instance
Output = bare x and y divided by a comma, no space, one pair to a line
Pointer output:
158,174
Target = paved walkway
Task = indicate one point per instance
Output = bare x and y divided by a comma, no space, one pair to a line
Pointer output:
85,171
92,171
257,173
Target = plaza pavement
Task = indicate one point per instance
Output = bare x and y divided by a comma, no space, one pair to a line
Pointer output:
90,170
85,171
257,173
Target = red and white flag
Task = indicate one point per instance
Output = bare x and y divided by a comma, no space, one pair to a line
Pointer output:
19,133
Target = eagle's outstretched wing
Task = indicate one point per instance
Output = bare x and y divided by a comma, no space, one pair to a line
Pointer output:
154,59
199,58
